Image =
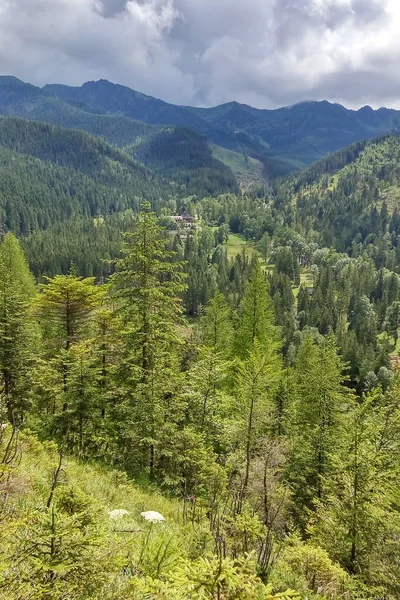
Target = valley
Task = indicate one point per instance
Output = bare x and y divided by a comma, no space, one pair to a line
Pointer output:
199,317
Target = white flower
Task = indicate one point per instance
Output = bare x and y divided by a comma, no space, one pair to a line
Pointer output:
153,516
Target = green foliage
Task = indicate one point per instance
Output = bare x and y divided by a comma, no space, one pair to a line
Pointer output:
17,328
276,471
147,284
319,404
256,315
187,158
212,579
310,569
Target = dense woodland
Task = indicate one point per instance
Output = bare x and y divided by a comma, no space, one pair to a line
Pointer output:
252,398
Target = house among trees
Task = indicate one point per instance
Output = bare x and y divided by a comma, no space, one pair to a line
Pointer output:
185,220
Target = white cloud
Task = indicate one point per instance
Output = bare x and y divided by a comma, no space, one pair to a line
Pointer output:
265,52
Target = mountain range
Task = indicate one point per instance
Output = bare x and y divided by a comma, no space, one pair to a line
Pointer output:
275,141
72,159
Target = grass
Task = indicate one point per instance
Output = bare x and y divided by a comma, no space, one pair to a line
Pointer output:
333,182
247,170
385,337
130,541
305,279
237,243
391,195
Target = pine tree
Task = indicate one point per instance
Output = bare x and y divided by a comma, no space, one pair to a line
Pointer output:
255,388
66,378
216,326
358,522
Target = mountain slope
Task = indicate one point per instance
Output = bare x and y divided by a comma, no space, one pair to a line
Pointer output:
353,194
285,138
187,158
28,101
49,174
118,99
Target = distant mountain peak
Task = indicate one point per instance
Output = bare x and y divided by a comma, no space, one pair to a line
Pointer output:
11,81
109,85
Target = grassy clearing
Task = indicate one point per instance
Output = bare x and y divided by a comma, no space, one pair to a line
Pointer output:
333,182
236,244
384,337
110,489
391,195
240,164
305,279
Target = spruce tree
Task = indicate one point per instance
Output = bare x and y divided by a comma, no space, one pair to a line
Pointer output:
359,522
66,378
148,286
216,326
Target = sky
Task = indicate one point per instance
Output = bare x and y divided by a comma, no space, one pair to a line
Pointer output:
266,53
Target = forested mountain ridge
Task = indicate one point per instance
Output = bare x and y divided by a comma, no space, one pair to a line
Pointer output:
210,175
30,102
353,195
285,139
70,148
49,174
194,172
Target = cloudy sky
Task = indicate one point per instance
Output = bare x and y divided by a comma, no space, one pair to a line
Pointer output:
266,53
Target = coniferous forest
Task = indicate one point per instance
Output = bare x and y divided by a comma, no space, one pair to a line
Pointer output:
234,369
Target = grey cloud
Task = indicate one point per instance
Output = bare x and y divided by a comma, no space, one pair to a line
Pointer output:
262,52
110,8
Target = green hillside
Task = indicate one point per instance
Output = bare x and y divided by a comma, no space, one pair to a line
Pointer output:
50,174
187,158
76,550
248,170
352,194
284,140
29,102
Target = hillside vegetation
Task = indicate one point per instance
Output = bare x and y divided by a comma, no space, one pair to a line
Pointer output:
50,174
266,432
352,194
226,359
283,140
